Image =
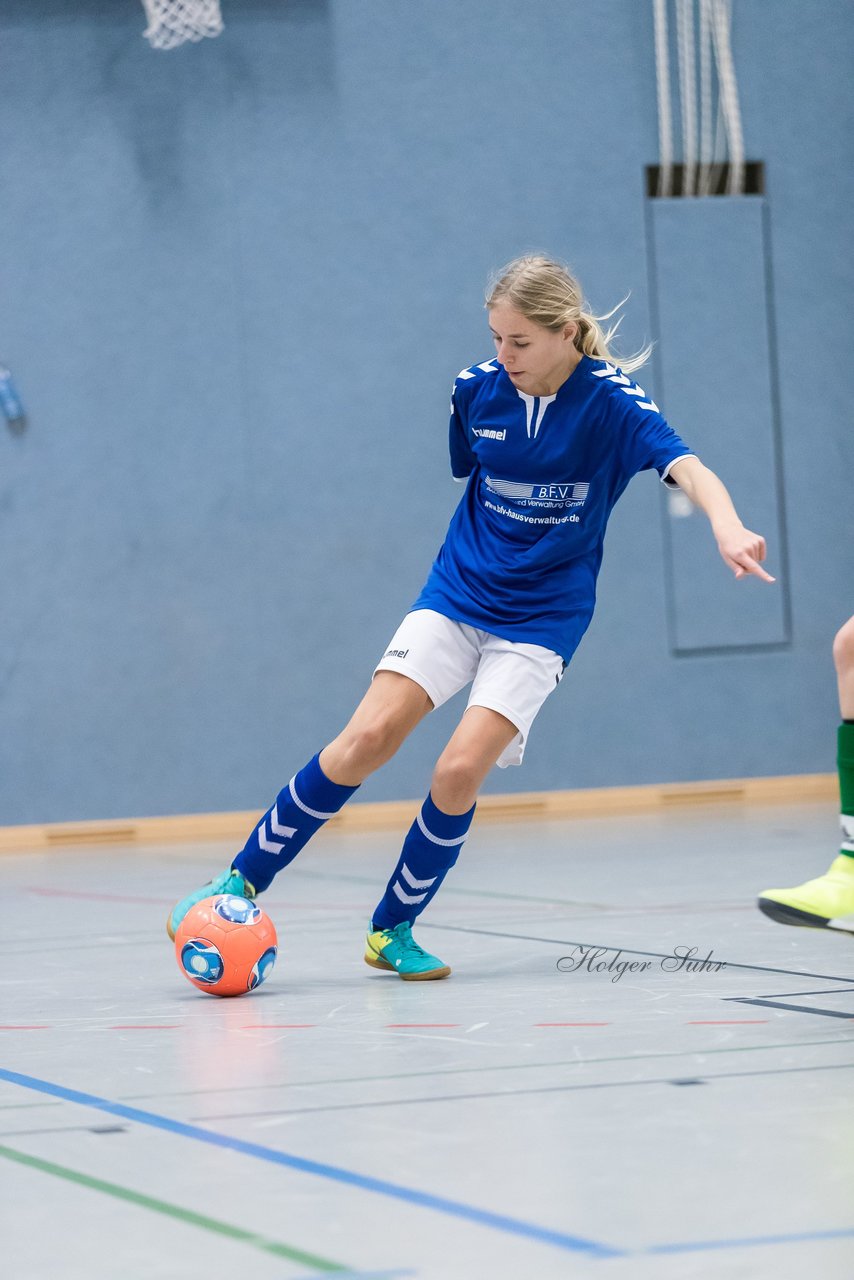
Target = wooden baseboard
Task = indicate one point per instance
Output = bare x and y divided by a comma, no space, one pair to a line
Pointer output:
524,805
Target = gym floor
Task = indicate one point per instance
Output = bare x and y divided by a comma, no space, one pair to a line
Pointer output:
577,1100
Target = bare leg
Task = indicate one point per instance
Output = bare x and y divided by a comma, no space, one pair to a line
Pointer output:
460,771
843,658
389,711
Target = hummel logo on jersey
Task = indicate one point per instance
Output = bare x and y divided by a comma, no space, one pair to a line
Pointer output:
487,434
396,653
631,388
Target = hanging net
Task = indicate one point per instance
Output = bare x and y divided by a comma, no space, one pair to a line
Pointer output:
172,22
721,147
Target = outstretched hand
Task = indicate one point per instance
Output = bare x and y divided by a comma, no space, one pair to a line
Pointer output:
742,551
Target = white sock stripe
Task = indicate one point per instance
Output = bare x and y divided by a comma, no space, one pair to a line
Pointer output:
312,813
412,882
435,839
276,829
405,897
269,846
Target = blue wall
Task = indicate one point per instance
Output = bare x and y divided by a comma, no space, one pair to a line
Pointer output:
237,280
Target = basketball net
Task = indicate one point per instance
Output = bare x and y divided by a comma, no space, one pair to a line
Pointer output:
172,22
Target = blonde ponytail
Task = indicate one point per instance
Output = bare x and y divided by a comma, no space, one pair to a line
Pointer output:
546,292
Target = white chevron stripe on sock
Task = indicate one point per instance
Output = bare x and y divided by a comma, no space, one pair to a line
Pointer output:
276,829
412,882
269,846
405,897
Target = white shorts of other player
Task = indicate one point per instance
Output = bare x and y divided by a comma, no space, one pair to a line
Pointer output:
443,656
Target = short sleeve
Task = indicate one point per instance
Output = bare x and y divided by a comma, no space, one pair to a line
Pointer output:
648,440
462,457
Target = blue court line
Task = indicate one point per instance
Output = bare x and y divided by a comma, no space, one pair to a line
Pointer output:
454,1208
692,1246
366,1275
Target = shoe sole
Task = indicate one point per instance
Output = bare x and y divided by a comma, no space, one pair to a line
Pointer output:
429,976
784,914
173,929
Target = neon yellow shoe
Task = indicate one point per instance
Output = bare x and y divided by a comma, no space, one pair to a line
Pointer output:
397,950
824,903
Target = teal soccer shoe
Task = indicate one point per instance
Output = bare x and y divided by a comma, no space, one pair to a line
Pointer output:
230,881
396,949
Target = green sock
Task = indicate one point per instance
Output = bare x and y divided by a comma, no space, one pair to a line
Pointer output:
845,761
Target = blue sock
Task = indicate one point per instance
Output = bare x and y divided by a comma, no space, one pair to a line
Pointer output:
300,810
429,851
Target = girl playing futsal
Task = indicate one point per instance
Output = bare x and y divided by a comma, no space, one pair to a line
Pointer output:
545,436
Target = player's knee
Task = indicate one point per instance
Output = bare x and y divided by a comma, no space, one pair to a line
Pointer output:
457,774
843,647
370,745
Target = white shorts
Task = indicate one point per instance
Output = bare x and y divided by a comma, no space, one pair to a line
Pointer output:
443,656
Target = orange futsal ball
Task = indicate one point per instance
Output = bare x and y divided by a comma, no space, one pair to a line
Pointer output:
226,945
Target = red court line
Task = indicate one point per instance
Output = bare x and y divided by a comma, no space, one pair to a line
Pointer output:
102,897
306,1026
46,892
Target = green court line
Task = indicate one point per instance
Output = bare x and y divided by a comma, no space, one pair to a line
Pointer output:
175,1211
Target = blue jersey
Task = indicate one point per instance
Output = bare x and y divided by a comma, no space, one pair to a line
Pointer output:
524,547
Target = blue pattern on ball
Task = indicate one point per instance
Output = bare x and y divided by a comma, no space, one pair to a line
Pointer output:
261,968
202,961
237,910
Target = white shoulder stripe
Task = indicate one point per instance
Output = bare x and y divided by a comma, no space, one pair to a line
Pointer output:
626,385
488,366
